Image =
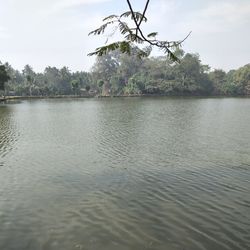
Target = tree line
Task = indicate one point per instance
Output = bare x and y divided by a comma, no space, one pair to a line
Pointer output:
51,82
118,74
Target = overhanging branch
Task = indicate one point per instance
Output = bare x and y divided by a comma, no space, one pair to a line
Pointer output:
131,35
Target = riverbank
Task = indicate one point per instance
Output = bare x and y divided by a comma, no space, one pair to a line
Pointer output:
10,98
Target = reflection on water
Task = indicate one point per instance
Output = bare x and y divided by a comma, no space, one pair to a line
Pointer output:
7,129
125,174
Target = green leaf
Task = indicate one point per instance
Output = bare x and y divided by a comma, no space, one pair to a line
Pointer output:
138,15
105,49
101,29
110,18
153,34
124,28
134,38
125,47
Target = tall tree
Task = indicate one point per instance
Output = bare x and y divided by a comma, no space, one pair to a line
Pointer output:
106,66
242,79
4,77
30,77
218,77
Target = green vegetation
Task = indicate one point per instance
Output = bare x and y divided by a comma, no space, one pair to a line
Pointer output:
124,74
51,82
4,77
118,74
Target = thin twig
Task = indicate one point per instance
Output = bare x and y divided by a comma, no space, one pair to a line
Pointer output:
156,43
180,42
143,14
140,31
133,14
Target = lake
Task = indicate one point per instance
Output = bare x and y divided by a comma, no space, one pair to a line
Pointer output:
125,173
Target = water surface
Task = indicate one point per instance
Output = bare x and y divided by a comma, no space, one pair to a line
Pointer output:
133,173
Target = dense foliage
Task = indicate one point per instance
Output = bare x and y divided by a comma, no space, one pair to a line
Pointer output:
120,74
123,74
4,77
51,82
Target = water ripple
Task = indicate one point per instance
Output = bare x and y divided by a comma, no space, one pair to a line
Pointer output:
125,173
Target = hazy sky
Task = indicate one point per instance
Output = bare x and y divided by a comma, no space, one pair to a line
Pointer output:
55,32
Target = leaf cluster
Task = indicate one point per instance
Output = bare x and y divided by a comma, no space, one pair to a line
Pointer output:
130,36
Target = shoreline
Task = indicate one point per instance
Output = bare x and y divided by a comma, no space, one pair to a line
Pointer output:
9,98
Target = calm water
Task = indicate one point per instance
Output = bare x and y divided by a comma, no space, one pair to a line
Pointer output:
125,174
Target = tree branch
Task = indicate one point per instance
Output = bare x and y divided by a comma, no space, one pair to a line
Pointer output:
131,34
144,12
140,31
